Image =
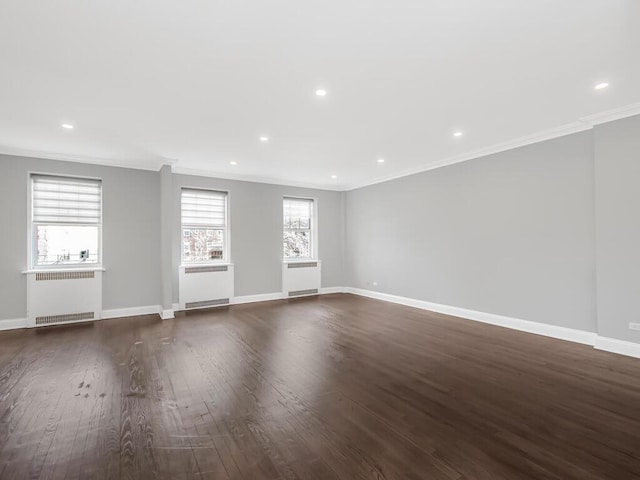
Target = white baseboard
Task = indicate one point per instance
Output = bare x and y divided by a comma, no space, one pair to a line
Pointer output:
329,290
167,314
13,323
263,297
538,328
130,312
614,345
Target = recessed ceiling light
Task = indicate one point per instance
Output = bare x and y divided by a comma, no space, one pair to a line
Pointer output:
334,176
321,93
601,86
68,126
457,134
264,139
381,160
233,162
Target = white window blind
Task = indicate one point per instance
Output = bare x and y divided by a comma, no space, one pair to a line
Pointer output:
66,201
297,211
204,208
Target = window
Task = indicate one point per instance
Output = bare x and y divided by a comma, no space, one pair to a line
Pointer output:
66,220
204,226
298,228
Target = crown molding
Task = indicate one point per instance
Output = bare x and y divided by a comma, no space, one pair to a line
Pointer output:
542,136
612,115
107,162
251,178
581,125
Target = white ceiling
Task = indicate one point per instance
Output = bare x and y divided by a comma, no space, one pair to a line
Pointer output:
197,82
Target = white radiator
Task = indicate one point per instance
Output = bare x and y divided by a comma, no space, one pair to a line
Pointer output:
301,278
69,296
205,286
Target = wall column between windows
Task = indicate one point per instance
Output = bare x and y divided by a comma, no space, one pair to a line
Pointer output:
166,214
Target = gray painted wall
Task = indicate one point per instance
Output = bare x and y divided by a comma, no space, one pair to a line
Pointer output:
255,211
135,201
510,234
617,167
130,232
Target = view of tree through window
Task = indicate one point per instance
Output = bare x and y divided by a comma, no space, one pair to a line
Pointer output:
297,236
200,245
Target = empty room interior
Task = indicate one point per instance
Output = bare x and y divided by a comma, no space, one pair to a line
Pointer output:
341,240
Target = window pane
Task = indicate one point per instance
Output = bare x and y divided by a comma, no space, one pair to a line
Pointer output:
202,244
297,244
298,227
66,244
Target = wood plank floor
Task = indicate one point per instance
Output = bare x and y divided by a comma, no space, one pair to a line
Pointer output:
334,387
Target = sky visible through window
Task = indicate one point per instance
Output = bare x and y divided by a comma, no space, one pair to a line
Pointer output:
60,244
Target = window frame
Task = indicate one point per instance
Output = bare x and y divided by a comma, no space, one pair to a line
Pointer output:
32,254
226,236
313,247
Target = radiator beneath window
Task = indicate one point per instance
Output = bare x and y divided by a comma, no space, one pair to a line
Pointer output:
205,286
301,278
67,296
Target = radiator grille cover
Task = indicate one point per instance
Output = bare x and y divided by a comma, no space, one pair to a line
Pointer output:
297,293
69,317
40,276
302,264
208,268
207,303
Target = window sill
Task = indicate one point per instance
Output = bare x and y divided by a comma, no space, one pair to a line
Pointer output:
69,268
301,260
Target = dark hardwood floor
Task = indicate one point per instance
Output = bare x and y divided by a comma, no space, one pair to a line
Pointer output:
334,387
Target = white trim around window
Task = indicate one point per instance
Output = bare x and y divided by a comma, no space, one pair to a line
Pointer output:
64,229
297,213
204,226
